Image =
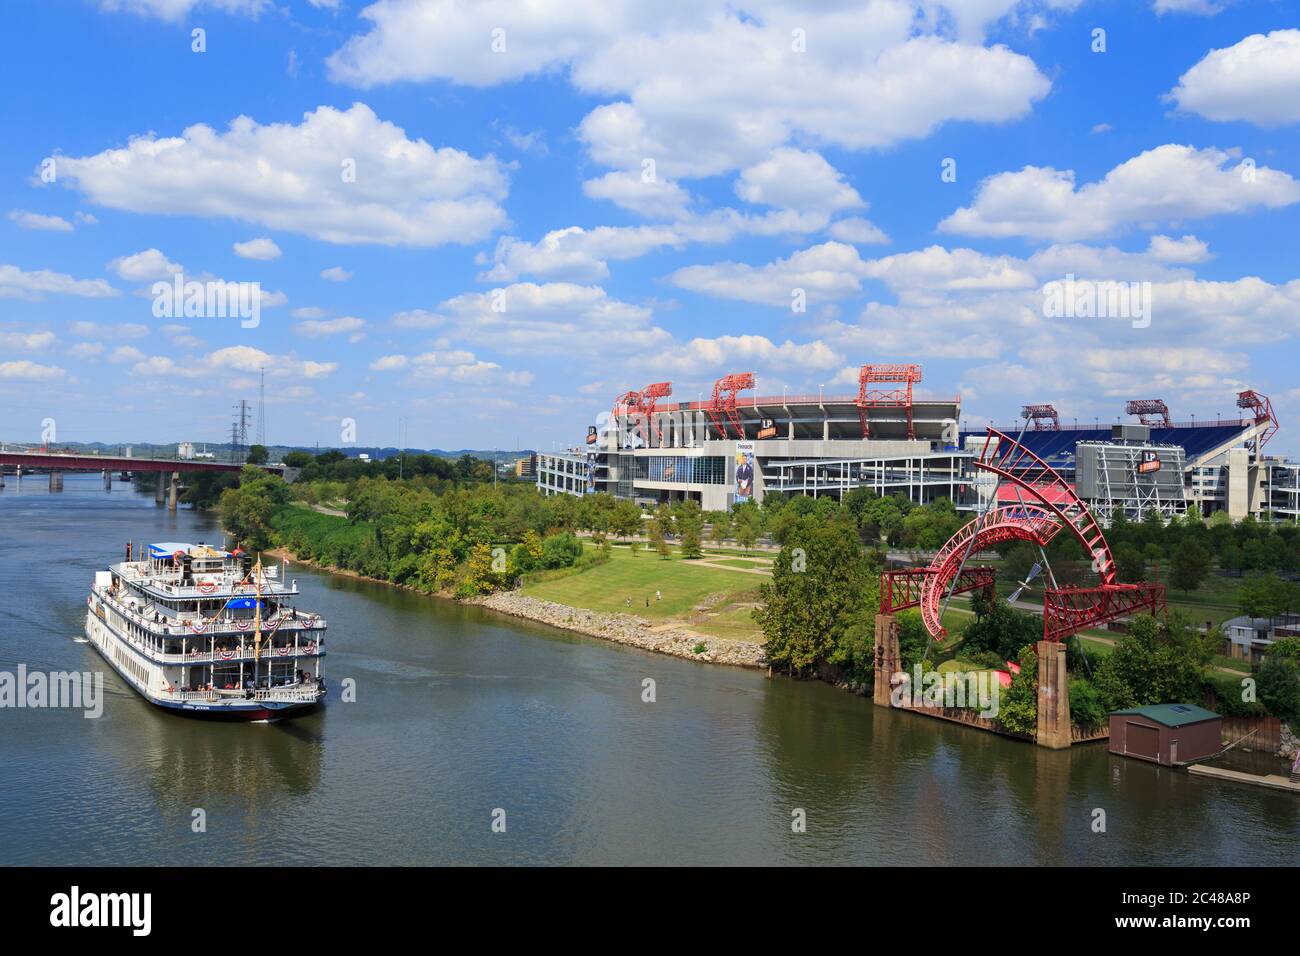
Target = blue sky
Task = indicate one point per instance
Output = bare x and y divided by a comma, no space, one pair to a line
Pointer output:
608,200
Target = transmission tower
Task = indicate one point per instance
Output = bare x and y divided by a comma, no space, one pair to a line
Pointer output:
239,432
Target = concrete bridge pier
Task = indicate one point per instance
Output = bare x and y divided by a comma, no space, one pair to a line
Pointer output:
1053,696
108,480
174,491
2,477
160,491
56,480
887,662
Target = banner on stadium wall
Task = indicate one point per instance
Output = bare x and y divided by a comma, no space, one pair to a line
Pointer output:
1150,462
591,474
744,471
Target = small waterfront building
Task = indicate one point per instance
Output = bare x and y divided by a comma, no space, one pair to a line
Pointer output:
1167,734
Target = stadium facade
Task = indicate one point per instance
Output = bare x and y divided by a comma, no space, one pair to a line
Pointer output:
736,446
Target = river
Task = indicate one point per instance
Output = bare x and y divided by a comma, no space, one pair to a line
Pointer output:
460,712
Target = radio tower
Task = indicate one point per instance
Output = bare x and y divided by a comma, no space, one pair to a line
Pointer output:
261,408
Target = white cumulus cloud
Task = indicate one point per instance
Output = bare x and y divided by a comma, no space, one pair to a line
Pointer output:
342,176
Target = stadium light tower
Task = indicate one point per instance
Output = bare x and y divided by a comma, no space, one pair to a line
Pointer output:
1043,417
871,395
722,410
1263,412
1150,411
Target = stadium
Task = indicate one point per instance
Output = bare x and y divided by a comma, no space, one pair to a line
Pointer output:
738,445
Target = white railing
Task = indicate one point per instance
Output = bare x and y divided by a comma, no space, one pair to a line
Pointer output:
184,627
239,654
307,692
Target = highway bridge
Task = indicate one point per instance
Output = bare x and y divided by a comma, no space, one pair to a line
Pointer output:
55,463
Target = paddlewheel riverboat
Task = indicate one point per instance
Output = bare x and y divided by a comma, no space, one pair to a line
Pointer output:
207,632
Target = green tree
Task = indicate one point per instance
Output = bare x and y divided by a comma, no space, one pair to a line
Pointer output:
747,525
479,576
625,518
719,526
658,529
1018,704
247,511
1231,557
1264,596
1129,565
816,595
257,455
1150,666
1188,566
1000,628
690,526
1278,683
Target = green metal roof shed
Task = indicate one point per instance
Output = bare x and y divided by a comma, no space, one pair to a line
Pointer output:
1168,734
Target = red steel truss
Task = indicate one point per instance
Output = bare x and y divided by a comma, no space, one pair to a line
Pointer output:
903,588
723,407
1040,415
1066,611
1054,508
1150,411
1013,462
870,395
1262,409
1009,523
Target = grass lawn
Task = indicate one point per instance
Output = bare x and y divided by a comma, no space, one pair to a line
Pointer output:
685,585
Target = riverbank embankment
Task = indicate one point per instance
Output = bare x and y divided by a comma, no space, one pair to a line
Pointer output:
628,629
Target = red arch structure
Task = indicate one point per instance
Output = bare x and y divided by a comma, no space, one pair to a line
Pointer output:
1009,523
1050,506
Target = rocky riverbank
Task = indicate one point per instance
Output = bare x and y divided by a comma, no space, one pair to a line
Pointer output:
627,629
620,628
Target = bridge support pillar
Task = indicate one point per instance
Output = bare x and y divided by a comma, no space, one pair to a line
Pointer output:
56,480
887,663
160,490
174,490
108,480
1053,696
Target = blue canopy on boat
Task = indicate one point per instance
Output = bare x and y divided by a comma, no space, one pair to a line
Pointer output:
240,603
165,549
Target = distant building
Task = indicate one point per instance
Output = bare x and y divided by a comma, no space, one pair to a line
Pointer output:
185,450
526,467
1250,637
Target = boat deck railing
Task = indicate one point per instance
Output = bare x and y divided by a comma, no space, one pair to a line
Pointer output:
304,693
185,626
211,585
